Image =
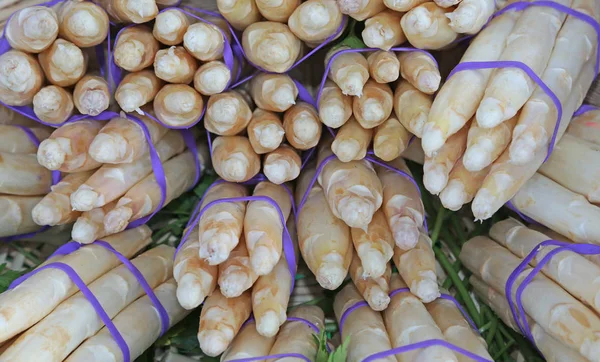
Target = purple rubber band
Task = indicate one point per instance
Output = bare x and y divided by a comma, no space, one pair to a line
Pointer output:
584,109
307,156
525,68
66,249
303,94
526,218
396,49
115,70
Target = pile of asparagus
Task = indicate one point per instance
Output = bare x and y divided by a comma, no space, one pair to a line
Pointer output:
488,131
46,318
561,302
405,322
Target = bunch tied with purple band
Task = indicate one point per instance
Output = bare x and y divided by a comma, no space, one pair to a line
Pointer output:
418,345
73,246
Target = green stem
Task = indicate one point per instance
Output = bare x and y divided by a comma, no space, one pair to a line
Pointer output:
439,220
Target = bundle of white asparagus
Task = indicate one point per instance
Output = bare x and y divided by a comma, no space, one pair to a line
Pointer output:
560,303
406,321
47,318
490,130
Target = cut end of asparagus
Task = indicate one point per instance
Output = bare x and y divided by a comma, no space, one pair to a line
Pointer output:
234,284
356,212
16,72
189,291
491,112
331,275
349,6
84,231
314,16
84,199
478,156
406,232
433,139
224,112
180,102
522,149
167,23
269,136
346,150
117,219
332,114
376,36
426,289
129,54
213,342
272,51
93,102
83,23
108,148
453,197
263,258
306,127
283,97
39,23
372,110
202,38
435,179
52,152
388,72
268,324
46,213
352,84
214,80
378,299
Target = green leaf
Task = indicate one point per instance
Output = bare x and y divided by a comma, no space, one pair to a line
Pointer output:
7,276
322,353
341,353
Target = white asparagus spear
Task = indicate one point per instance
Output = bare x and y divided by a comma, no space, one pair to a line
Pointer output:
427,27
130,11
32,29
53,104
13,139
560,314
383,30
10,117
314,21
403,5
212,77
271,46
384,66
462,186
136,48
178,105
282,165
227,113
137,89
83,23
485,145
273,92
248,343
111,181
236,274
89,227
374,289
21,174
75,320
16,218
420,70
350,71
301,125
471,15
276,10
206,41
374,246
21,77
175,65
91,95
234,159
390,139
456,102
351,141
63,63
139,324
335,108
360,9
407,322
374,106
170,26
296,336
239,13
530,42
48,288
586,126
411,106
364,327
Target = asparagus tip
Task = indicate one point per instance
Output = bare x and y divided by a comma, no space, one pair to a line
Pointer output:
419,20
346,150
84,199
429,81
116,220
280,171
108,148
353,84
84,231
522,149
215,250
263,258
269,136
435,179
284,97
235,167
268,324
46,213
491,112
482,204
374,263
356,212
432,140
213,342
426,289
189,291
377,298
406,232
453,196
331,275
332,114
51,152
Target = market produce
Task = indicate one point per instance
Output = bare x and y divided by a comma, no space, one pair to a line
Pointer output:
373,289
412,107
239,13
227,113
383,30
282,165
170,26
130,11
427,27
14,139
301,125
85,24
135,48
314,21
175,65
63,63
384,66
137,89
271,46
32,29
91,95
21,78
16,218
236,274
234,159
277,10
273,92
178,105
350,71
21,174
374,105
265,131
90,225
206,41
420,70
351,141
296,336
390,139
212,78
335,108
53,104
360,9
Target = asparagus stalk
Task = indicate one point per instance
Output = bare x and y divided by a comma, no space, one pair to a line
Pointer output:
350,71
374,246
471,15
239,13
420,70
296,336
178,105
427,27
273,92
361,9
265,131
236,275
363,326
53,104
205,41
282,165
91,95
21,78
555,312
89,226
220,320
137,89
374,289
403,5
412,107
63,63
112,181
48,288
351,141
13,139
234,159
408,321
586,126
384,66
462,186
170,26
335,108
85,24
212,78
130,11
221,225
383,30
115,290
374,106
301,125
175,65
32,29
248,344
402,204
271,46
275,10
352,189
485,145
16,218
324,240
20,174
314,21
10,117
227,113
390,139
139,324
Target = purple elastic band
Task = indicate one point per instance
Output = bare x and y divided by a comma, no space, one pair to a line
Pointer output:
584,109
307,156
527,219
116,73
525,68
328,67
303,94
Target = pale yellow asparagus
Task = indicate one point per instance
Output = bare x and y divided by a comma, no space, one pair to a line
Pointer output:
509,88
178,105
21,77
91,95
236,274
420,70
456,102
89,227
408,321
248,343
277,10
364,327
402,204
374,106
586,126
13,139
282,165
53,104
205,41
335,108
139,324
351,141
10,117
16,216
20,174
301,125
137,89
296,336
265,131
221,224
412,107
427,27
273,92
384,66
234,159
471,15
75,320
175,65
227,113
324,240
374,246
436,169
220,320
390,139
212,78
462,186
239,13
457,330
414,152
314,21
130,11
350,71
352,189
170,26
85,24
485,145
361,9
67,147
196,278
383,30
403,5
48,288
32,29
110,182
63,63
374,289
270,45
560,314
